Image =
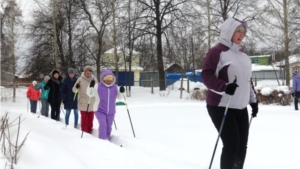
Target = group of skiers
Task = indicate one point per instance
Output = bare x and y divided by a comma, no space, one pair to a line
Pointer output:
83,93
226,73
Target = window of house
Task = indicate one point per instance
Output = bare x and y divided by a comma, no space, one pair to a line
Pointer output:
254,61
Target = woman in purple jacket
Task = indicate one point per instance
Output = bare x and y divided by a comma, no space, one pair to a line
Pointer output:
107,92
296,88
223,64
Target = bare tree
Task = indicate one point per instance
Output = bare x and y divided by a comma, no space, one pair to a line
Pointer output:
71,39
98,13
54,27
10,20
158,16
54,14
281,19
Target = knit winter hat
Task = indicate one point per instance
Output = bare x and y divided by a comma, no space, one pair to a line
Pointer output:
108,77
71,71
55,71
34,83
46,78
295,72
88,68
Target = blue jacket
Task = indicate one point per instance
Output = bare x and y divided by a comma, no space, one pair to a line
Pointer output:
67,94
296,84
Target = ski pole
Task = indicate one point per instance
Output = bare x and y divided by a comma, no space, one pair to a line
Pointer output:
62,109
27,104
250,121
115,124
38,103
128,115
225,113
221,127
87,110
72,105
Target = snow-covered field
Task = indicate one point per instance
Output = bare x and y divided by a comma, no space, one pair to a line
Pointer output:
171,133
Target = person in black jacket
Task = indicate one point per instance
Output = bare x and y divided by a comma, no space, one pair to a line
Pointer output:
67,95
54,97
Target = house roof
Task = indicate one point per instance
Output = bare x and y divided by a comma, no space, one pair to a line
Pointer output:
120,50
292,59
256,67
167,66
133,68
260,56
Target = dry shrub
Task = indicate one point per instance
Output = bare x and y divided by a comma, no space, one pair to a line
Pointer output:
198,94
276,97
164,93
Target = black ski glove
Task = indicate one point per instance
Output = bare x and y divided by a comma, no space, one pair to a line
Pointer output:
77,85
254,109
46,87
92,84
122,90
230,88
293,94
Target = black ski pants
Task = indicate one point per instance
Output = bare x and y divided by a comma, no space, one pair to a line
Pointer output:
296,99
55,111
234,135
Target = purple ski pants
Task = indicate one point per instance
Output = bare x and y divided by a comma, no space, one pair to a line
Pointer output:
105,125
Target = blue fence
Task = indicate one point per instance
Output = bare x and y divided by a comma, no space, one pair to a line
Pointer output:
173,77
123,77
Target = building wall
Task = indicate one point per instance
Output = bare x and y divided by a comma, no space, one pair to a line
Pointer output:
146,78
109,59
261,60
137,75
267,75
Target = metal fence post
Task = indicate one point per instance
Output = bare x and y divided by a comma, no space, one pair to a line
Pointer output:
188,84
152,86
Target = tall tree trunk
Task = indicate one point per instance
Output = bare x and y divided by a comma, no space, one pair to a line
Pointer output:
128,78
193,57
55,34
13,49
99,56
208,24
70,53
286,43
160,63
115,42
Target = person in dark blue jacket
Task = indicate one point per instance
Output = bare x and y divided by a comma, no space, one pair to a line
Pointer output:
69,98
296,88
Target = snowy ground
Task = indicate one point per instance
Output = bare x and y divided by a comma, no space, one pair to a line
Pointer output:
171,133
